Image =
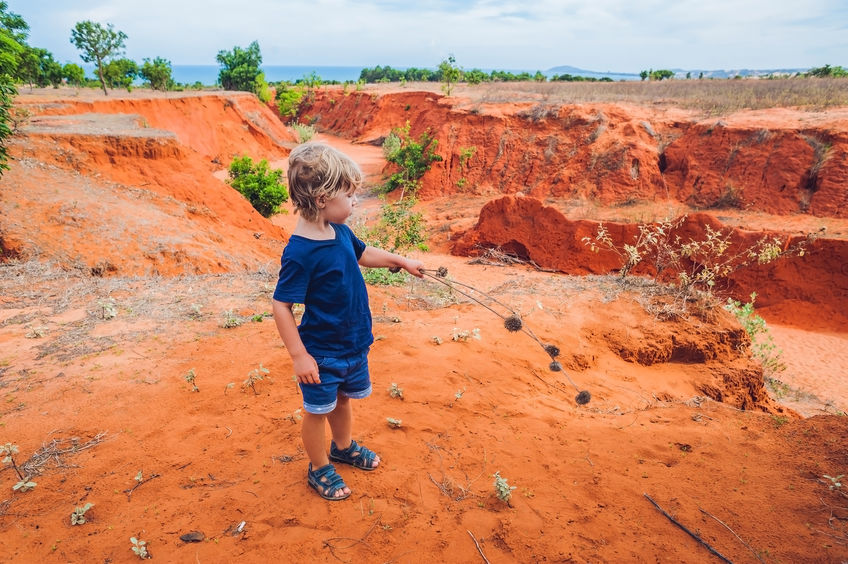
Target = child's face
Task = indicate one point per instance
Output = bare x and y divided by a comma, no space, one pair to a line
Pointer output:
338,208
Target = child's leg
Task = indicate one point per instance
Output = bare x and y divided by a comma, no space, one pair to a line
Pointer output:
312,433
341,421
341,425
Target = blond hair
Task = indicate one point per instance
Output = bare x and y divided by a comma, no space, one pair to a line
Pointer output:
316,170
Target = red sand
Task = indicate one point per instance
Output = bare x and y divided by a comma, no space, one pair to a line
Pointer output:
137,223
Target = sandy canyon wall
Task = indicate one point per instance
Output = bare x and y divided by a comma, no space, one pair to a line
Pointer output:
126,185
611,154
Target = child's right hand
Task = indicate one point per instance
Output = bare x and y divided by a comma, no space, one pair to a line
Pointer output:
306,369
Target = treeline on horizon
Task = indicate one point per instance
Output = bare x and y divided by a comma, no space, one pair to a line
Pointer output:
473,76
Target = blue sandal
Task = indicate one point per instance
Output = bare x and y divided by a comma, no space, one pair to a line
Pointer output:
355,455
326,482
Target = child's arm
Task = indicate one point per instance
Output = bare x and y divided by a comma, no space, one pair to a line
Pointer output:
305,367
372,257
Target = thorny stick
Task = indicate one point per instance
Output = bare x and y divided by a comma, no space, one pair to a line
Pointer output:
480,550
757,556
129,491
687,531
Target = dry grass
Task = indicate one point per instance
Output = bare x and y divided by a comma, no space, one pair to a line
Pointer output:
714,97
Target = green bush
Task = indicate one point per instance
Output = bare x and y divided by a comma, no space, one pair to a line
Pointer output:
258,183
288,100
412,158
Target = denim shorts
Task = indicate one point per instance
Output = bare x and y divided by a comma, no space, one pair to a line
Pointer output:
347,376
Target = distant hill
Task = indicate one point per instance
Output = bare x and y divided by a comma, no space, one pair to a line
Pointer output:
565,69
678,73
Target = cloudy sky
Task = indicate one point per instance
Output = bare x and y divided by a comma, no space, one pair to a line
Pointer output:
600,35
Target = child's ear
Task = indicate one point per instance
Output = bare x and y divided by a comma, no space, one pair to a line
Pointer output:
321,201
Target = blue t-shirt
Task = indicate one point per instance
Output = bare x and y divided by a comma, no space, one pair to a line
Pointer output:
324,276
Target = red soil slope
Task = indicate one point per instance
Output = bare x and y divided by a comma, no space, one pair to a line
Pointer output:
78,163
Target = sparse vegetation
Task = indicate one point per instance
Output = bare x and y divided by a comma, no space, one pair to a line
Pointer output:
395,391
304,132
502,489
763,347
78,515
190,377
139,548
693,267
255,375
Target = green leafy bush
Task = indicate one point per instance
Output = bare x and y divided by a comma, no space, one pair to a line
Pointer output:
261,185
288,100
412,158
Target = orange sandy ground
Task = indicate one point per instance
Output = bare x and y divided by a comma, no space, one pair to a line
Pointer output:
226,460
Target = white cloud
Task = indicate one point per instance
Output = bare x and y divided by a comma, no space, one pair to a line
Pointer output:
616,35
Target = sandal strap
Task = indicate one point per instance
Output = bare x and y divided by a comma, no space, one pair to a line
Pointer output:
327,478
364,453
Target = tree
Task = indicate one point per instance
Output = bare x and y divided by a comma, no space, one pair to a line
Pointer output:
644,75
98,44
661,74
7,93
120,73
449,74
157,73
74,74
13,24
240,68
38,67
13,33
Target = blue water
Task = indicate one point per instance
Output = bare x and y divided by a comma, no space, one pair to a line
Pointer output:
208,74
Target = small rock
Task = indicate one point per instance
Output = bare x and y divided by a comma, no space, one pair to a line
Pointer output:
193,536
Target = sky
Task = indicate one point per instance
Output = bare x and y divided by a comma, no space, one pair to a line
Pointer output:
600,35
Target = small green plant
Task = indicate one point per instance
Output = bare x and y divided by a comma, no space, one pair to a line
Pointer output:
108,309
465,154
762,344
254,376
463,335
261,185
393,423
9,451
139,547
78,515
395,391
304,132
835,483
36,333
231,320
294,416
190,377
502,489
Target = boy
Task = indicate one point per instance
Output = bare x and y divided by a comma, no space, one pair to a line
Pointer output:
329,350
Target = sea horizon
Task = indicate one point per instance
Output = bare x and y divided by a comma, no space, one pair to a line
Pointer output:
208,74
